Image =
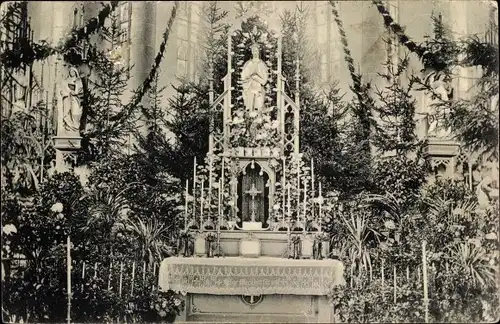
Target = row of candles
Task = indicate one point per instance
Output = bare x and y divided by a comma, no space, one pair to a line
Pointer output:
287,203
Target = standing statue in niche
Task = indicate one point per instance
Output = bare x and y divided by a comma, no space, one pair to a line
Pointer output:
71,90
254,77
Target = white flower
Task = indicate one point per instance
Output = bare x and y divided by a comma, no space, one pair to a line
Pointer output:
253,114
237,120
474,241
389,224
491,236
177,302
9,228
276,206
57,207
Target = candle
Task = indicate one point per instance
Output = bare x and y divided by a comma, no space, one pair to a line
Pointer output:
289,205
320,203
133,277
305,205
186,205
222,178
210,176
312,177
283,182
194,189
298,188
312,188
201,204
219,201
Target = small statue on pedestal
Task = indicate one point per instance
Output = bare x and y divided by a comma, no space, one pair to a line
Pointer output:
254,77
70,104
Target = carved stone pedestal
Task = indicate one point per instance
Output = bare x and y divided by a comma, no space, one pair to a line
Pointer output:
66,148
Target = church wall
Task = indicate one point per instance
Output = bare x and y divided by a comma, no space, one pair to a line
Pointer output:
362,22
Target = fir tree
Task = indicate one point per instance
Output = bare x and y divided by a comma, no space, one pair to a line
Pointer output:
395,129
101,129
189,106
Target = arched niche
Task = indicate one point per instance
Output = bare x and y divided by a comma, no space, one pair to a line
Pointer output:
255,192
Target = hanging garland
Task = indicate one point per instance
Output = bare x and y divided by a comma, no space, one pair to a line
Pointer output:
146,85
363,111
356,77
24,52
438,54
398,30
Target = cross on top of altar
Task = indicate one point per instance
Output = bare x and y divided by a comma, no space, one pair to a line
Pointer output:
253,192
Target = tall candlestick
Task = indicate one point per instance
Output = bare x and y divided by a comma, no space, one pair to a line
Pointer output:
283,184
219,201
312,188
186,206
298,188
210,166
222,176
312,177
194,189
201,204
289,206
305,206
320,217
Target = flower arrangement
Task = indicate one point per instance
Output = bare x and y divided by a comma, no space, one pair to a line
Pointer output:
166,304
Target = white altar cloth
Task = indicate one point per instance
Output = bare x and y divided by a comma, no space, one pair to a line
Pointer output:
243,276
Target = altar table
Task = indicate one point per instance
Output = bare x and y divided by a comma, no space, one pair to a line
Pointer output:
293,289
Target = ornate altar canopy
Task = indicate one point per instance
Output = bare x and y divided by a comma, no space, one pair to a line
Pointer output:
253,210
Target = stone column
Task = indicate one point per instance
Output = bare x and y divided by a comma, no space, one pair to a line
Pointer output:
459,18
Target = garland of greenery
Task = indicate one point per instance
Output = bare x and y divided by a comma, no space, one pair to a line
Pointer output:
363,111
357,87
146,85
24,52
438,54
398,30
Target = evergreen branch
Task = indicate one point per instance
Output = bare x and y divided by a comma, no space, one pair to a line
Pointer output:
359,89
356,77
22,52
146,85
398,30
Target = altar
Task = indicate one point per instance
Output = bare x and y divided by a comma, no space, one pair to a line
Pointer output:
263,289
253,247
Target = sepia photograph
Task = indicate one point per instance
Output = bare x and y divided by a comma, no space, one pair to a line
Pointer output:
250,161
